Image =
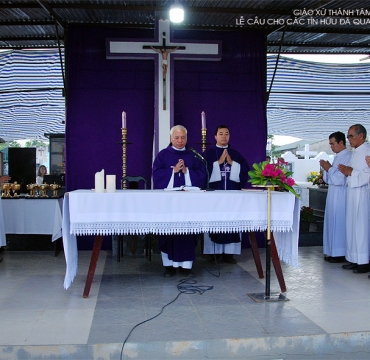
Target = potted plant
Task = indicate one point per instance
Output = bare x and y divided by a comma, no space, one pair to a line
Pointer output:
306,218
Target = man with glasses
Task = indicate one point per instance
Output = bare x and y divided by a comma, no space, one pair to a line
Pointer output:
358,201
334,236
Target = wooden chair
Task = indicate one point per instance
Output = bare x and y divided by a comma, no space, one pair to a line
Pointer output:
132,182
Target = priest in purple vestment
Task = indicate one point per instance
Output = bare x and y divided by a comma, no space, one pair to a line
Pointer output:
175,166
228,171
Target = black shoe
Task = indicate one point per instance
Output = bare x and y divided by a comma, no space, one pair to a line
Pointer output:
350,266
327,258
169,271
362,269
337,259
228,258
186,272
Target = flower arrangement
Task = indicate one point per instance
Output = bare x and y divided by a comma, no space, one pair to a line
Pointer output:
306,214
272,174
318,180
312,175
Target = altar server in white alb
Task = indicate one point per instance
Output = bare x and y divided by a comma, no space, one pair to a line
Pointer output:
334,235
358,201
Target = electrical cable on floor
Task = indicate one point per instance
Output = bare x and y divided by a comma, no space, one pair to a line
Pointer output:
215,261
185,286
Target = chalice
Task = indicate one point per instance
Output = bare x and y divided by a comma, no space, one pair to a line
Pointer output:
16,187
32,188
43,188
55,188
6,191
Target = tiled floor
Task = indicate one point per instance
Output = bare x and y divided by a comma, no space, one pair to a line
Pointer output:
327,315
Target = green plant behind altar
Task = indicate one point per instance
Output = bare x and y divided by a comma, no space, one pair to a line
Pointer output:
272,174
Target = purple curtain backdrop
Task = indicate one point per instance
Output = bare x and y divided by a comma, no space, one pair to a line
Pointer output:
231,91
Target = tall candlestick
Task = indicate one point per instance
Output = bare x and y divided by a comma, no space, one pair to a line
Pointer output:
204,141
124,144
123,120
203,120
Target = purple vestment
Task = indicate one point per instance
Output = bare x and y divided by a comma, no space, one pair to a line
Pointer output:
212,154
167,159
179,248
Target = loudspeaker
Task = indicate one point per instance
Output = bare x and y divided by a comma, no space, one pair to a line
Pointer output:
22,166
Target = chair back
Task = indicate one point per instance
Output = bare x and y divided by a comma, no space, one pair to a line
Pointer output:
133,181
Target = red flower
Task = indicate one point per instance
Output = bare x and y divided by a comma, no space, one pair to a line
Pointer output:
290,182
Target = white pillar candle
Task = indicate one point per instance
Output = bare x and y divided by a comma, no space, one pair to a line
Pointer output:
99,181
111,183
203,120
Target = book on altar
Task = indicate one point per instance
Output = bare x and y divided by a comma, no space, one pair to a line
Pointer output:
184,188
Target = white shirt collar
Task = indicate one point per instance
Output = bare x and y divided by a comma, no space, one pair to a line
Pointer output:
183,149
222,147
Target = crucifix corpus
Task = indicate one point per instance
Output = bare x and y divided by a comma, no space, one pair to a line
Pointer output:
163,51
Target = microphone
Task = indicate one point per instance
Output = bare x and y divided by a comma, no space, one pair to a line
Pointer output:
200,157
204,161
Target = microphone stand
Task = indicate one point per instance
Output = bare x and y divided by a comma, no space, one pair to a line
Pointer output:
204,161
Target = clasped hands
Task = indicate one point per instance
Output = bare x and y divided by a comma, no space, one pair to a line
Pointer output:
345,170
225,157
325,164
180,166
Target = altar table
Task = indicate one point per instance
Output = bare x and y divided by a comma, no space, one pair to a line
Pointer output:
177,212
33,216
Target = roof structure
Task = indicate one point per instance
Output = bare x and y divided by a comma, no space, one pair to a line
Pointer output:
31,94
306,99
311,100
292,26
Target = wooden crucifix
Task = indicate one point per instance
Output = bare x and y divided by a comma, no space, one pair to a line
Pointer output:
163,50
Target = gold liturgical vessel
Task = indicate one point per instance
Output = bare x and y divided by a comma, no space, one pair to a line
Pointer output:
32,188
16,189
6,190
44,188
55,187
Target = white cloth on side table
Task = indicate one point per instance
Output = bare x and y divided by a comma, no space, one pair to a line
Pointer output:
33,216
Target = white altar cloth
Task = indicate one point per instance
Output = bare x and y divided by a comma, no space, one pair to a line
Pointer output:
33,216
176,212
2,226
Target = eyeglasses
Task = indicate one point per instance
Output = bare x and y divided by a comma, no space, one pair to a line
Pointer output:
350,136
